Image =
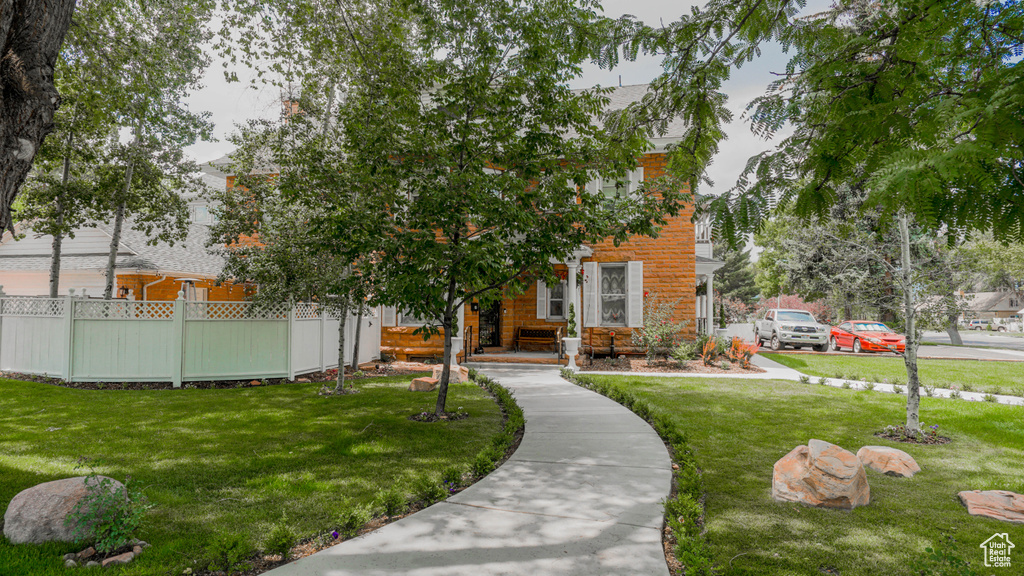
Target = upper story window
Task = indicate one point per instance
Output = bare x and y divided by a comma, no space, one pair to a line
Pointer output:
619,187
201,214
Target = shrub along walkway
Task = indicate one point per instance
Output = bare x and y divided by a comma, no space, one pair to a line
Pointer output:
581,496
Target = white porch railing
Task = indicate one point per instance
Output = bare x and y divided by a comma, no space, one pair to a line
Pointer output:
94,340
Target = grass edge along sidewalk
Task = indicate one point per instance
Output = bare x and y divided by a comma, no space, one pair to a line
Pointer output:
40,441
687,551
978,380
732,431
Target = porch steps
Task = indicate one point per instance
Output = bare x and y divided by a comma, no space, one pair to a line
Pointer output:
516,359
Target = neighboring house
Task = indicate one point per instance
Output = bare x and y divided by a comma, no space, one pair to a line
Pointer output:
615,280
989,305
143,272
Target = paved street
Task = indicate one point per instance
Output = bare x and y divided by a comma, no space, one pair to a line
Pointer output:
978,338
993,347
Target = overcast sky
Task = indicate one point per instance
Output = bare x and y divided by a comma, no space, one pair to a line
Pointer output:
236,102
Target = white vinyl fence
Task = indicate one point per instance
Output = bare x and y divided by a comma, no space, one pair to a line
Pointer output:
120,340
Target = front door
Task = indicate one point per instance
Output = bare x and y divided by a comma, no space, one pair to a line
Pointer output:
490,325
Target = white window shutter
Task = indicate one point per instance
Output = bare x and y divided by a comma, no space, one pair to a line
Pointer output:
635,295
591,295
542,300
462,321
390,316
594,186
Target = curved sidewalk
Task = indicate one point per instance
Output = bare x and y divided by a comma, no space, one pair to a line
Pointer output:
581,496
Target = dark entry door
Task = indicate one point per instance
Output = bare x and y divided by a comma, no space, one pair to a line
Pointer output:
490,325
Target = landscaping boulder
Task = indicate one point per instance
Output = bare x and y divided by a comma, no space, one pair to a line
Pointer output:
997,504
821,474
891,461
424,384
458,373
37,514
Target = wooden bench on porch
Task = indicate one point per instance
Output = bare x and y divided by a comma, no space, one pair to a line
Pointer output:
538,335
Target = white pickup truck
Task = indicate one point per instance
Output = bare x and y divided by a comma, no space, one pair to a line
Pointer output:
797,328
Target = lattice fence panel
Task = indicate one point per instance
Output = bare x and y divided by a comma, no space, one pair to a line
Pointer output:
125,310
307,311
235,311
51,307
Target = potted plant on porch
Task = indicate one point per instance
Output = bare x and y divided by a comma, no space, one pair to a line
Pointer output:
571,341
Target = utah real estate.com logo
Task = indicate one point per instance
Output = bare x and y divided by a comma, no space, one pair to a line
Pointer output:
997,550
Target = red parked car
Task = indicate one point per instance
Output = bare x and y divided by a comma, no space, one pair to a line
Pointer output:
866,336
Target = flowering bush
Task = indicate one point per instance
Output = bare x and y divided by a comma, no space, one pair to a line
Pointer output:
733,310
821,311
741,352
659,334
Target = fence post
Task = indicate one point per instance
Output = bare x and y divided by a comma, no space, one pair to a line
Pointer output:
291,338
69,334
323,337
178,339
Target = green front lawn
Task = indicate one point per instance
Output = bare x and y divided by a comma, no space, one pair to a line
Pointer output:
738,429
968,375
233,461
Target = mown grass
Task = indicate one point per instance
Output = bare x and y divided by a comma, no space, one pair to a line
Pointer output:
233,461
738,429
969,375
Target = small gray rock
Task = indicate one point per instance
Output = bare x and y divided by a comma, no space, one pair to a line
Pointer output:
70,556
70,563
92,564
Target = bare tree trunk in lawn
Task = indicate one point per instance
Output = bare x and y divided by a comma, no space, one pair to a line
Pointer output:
913,425
339,387
447,321
355,344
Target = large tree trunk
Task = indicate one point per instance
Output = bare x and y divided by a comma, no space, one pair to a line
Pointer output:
355,344
910,356
31,32
339,386
447,321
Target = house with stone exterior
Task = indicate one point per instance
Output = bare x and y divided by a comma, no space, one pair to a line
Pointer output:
607,283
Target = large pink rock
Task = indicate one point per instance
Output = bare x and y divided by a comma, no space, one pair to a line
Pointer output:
997,504
37,514
457,374
424,384
821,474
891,461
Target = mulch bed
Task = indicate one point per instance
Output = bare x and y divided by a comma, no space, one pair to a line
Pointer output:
379,369
899,434
625,364
433,417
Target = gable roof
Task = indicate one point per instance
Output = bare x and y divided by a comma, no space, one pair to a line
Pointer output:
88,251
991,301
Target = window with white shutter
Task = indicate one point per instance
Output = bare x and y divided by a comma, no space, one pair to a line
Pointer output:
613,294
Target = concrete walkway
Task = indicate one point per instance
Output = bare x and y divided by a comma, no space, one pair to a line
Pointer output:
581,496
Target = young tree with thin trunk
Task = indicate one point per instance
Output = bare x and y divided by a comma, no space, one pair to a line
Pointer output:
155,51
482,155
